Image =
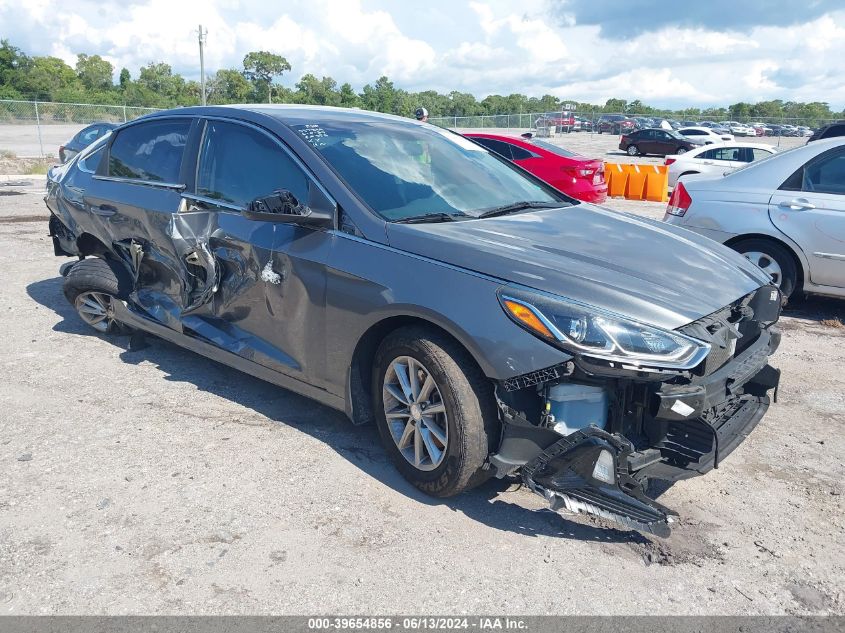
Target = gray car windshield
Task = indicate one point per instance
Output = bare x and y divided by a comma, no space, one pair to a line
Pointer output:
408,171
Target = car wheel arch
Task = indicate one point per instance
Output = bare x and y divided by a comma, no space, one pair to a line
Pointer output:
800,264
359,374
89,245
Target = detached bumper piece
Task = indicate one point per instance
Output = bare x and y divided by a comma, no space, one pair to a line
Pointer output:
587,472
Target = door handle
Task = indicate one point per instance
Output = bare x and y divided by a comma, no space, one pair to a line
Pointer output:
104,210
797,204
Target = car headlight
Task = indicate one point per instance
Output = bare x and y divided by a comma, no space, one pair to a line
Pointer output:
584,330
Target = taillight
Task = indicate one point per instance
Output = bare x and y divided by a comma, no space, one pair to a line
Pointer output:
669,161
581,171
680,201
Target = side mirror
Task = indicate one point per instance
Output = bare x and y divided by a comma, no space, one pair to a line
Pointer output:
283,206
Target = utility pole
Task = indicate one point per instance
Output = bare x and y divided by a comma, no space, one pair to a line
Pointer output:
201,38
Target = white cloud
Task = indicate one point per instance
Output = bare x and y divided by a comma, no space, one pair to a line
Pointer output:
496,47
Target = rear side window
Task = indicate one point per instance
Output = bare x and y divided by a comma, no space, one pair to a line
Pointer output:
86,137
519,153
239,164
502,149
824,174
150,151
759,154
833,130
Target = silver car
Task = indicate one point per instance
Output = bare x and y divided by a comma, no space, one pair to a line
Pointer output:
785,213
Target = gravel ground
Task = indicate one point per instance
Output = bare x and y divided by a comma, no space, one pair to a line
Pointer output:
156,481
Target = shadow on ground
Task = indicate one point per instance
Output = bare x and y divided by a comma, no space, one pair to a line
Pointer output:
815,308
494,504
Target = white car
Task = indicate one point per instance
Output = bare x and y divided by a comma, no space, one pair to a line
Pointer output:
785,213
715,159
705,135
738,129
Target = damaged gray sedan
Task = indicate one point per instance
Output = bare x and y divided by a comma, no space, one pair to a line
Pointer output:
488,324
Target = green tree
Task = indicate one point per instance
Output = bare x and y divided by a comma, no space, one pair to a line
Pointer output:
380,97
94,72
315,91
159,79
261,67
13,62
348,97
615,105
228,86
125,78
43,77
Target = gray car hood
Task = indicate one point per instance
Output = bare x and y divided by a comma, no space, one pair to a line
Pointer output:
643,269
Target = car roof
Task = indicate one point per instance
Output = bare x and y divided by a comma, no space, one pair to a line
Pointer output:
290,113
700,128
704,148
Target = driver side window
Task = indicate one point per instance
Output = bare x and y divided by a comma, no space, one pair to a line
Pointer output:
238,164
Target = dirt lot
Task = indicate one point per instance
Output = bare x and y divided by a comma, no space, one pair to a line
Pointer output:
155,481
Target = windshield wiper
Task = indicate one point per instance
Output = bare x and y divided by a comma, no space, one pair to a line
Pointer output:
430,217
519,206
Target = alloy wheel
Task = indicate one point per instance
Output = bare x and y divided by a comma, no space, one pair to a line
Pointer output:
768,264
95,308
415,413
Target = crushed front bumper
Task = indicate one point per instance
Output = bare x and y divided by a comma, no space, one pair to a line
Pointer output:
682,430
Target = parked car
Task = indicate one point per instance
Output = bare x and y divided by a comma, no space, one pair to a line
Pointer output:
717,128
562,121
655,141
738,129
828,131
487,323
615,124
83,139
705,134
641,123
583,124
575,175
785,213
715,159
762,129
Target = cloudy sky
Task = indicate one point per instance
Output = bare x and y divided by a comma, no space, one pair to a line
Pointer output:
663,52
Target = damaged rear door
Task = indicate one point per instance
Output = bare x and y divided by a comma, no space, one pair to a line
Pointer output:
130,204
256,288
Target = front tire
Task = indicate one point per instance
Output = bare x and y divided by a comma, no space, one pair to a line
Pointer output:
91,286
435,410
772,258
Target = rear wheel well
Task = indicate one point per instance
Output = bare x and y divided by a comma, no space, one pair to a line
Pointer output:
360,374
88,245
799,267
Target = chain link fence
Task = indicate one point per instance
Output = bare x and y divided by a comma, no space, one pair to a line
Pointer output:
30,129
589,121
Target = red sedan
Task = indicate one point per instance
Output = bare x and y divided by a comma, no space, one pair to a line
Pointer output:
574,175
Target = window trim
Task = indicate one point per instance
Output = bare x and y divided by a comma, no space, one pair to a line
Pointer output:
104,163
203,121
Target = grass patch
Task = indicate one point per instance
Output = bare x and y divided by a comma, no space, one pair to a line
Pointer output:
7,153
834,323
37,168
